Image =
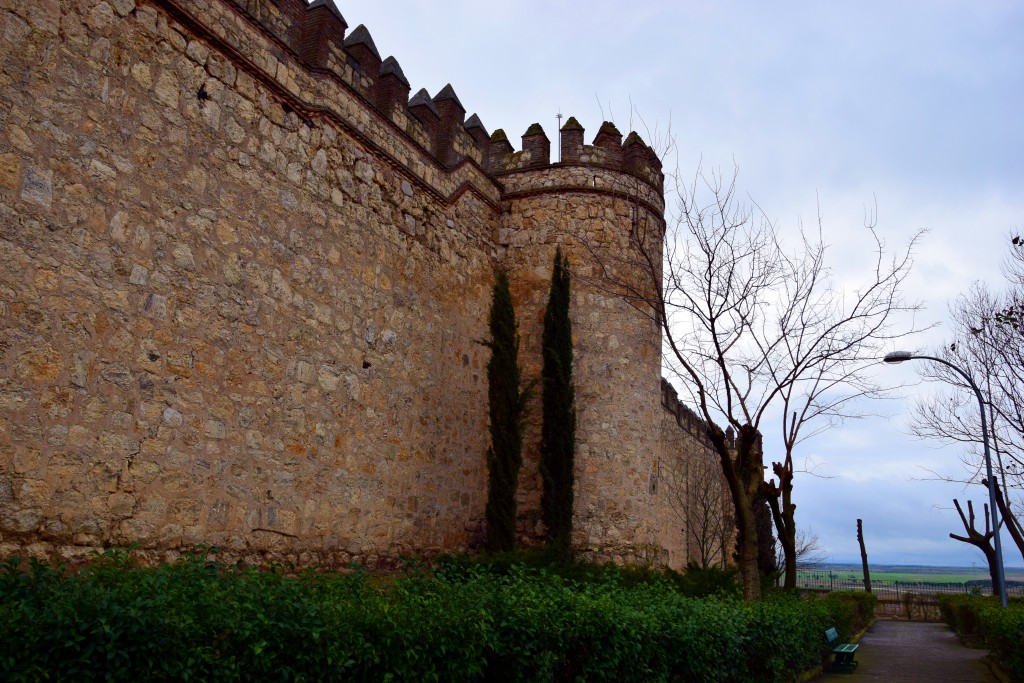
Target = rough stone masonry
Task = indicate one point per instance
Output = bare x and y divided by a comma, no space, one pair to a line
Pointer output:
243,276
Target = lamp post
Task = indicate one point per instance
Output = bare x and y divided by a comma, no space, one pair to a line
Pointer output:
899,357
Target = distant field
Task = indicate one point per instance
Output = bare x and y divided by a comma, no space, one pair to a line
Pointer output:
847,572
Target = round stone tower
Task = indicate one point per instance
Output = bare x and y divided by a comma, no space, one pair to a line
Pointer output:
603,204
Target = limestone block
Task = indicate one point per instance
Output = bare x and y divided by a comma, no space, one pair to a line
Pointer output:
41,364
10,170
167,89
37,186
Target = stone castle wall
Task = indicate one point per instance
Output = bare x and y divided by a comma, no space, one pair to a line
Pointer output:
242,280
698,503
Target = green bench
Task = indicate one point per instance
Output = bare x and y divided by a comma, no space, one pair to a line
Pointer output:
844,652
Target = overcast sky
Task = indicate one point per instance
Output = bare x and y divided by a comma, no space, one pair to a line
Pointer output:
917,106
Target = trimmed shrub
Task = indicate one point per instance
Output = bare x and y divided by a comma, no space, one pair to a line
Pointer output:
698,582
983,622
199,620
853,610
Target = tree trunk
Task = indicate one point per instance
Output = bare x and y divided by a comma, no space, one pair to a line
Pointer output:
1009,519
863,556
981,541
784,513
744,473
767,564
787,536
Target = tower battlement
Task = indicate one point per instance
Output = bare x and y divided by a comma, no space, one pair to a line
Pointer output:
608,151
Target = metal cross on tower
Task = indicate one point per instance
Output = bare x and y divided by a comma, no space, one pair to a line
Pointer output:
558,132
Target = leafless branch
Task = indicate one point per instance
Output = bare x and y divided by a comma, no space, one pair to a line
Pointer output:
751,326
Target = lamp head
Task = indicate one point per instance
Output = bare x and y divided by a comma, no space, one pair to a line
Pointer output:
898,356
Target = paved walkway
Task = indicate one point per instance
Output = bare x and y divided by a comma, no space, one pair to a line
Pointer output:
911,651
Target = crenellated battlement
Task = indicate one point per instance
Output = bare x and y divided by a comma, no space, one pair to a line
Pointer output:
685,417
315,34
608,151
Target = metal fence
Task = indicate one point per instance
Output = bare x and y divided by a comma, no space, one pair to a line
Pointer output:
832,581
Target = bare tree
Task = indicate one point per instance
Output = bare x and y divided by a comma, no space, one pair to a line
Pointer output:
703,509
750,327
988,343
981,541
809,553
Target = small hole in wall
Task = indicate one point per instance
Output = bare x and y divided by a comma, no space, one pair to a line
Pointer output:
154,356
308,123
202,94
366,365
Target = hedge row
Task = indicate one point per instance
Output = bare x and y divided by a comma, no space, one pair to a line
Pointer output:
197,620
983,622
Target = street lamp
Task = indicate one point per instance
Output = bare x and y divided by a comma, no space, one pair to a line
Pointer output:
899,357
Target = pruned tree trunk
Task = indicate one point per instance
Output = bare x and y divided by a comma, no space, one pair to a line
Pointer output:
981,541
863,556
742,466
780,498
767,564
1010,520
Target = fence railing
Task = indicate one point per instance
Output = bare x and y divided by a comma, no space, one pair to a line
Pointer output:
826,580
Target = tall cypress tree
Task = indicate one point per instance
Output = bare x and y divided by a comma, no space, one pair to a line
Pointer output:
507,401
558,433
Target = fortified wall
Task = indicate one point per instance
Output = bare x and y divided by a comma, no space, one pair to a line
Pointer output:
242,278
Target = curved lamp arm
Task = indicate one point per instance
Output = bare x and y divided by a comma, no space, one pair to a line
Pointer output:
899,357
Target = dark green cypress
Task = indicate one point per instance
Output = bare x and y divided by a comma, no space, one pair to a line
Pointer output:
507,403
558,433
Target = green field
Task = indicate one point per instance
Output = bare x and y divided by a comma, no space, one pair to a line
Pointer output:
911,573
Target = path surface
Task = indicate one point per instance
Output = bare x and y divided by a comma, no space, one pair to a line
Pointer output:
910,651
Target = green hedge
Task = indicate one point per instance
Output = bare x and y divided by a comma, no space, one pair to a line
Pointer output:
854,610
983,622
197,620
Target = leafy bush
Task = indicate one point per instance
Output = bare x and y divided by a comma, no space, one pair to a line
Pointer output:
853,610
694,582
983,621
698,583
961,613
1003,634
200,620
550,560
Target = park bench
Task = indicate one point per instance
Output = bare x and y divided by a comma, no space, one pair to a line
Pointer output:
844,652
